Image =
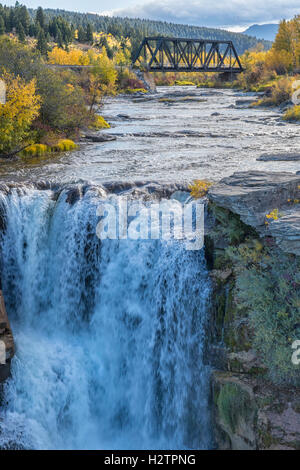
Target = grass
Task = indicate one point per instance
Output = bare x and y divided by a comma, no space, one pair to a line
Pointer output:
184,83
37,150
131,91
233,404
292,114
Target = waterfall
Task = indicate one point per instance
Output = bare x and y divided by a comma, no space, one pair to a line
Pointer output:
109,334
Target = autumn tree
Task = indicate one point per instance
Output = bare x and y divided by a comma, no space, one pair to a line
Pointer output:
17,114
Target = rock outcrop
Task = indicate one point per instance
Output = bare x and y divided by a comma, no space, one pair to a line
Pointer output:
253,415
254,194
7,348
252,248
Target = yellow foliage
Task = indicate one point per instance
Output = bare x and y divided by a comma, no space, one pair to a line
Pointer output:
199,188
100,123
64,145
184,82
135,90
73,57
35,149
280,61
292,114
274,215
19,111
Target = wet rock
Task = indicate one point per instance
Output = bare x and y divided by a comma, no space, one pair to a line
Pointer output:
245,362
253,194
100,137
156,190
245,102
181,196
252,414
74,194
279,157
7,348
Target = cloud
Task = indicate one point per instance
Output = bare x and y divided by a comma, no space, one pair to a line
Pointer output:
214,13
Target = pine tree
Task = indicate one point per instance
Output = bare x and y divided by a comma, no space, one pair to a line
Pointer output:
89,33
40,17
20,32
2,25
59,39
81,34
32,30
42,45
24,18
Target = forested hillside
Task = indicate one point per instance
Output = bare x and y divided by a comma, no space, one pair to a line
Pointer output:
140,27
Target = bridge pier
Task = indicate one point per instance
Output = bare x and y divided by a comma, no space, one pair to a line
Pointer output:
147,79
227,76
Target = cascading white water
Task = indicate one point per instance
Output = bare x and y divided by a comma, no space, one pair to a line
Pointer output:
109,334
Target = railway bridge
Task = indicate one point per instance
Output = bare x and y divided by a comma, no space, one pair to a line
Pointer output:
187,55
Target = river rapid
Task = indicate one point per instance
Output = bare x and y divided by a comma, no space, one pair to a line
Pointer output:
177,135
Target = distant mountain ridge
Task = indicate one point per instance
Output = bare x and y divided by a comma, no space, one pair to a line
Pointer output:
142,27
263,31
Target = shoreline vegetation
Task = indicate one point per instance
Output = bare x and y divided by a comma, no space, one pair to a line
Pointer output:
272,74
47,108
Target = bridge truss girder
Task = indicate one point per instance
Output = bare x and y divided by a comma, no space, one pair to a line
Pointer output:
187,55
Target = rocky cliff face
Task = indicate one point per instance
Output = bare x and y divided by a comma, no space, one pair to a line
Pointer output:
6,342
252,195
255,315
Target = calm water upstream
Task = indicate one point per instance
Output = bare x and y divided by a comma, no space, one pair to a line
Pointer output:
195,133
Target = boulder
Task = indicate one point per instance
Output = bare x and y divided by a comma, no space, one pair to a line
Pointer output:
254,194
279,157
100,137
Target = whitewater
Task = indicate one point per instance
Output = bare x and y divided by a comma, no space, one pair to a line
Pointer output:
110,334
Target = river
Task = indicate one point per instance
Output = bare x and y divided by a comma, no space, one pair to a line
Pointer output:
196,133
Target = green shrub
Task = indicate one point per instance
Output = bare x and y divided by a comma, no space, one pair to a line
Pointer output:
267,287
292,114
233,404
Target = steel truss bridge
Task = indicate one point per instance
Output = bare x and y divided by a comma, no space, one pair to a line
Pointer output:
187,55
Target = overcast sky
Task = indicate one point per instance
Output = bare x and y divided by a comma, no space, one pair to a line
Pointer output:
231,14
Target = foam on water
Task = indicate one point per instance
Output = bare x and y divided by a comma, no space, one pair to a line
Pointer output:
109,335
